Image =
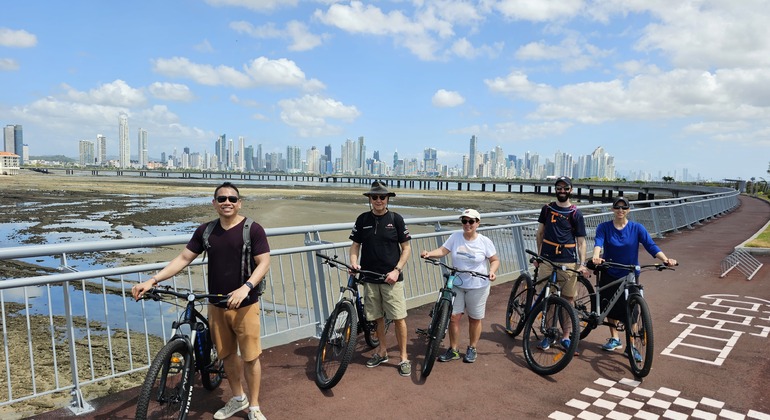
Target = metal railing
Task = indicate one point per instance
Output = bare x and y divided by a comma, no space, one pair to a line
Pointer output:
83,328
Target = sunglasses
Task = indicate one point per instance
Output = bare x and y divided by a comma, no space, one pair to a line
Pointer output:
230,198
620,207
379,197
562,188
467,221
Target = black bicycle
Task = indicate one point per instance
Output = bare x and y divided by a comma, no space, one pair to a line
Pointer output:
442,311
550,315
347,320
167,388
639,336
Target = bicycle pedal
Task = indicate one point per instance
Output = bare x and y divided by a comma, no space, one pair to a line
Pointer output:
422,331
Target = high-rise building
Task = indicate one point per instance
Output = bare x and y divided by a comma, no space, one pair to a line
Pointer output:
429,161
18,142
248,158
101,150
124,146
86,155
143,153
313,160
241,165
9,145
472,158
260,166
361,159
293,159
221,151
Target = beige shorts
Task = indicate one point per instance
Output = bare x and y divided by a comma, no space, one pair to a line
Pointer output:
566,279
385,299
232,329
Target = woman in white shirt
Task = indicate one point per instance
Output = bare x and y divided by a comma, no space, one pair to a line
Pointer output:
470,251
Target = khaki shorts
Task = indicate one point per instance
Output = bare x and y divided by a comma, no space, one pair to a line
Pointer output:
233,329
384,299
566,279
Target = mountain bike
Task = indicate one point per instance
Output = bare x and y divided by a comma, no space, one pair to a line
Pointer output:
347,320
544,325
442,311
639,336
167,388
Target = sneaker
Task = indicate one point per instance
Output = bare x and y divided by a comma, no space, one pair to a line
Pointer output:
470,355
451,354
376,360
405,368
612,344
255,414
565,342
637,355
545,344
233,406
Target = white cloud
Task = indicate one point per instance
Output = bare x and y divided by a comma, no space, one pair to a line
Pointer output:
117,93
8,64
573,53
17,38
301,38
539,10
309,114
259,72
447,99
171,91
465,49
205,47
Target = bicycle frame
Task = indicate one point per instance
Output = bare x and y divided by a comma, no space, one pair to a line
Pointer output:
627,281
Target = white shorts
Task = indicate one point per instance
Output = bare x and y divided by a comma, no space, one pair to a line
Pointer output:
473,302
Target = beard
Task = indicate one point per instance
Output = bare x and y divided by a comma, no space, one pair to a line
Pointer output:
562,198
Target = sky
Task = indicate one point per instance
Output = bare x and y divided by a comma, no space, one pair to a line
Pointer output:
664,86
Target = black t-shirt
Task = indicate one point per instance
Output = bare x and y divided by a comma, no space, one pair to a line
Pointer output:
563,225
224,255
380,238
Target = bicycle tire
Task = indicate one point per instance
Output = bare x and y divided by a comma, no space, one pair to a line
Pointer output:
585,305
519,304
336,346
212,369
370,332
555,358
438,328
167,388
639,335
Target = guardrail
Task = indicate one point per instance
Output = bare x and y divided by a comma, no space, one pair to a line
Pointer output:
83,329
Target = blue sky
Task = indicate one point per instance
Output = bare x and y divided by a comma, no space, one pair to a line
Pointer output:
664,86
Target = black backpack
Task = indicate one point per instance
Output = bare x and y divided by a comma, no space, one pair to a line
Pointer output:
247,263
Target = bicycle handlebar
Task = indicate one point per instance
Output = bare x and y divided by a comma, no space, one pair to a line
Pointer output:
540,259
628,267
455,270
334,262
156,292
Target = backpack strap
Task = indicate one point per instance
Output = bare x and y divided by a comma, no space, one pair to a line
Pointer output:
246,250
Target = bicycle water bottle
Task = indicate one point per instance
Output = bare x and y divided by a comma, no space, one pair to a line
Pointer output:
200,341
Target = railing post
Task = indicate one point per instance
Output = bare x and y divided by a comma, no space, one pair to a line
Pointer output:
78,405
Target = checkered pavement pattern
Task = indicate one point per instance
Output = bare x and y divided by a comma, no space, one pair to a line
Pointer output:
626,399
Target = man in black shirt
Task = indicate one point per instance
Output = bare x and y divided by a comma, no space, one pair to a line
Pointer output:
381,244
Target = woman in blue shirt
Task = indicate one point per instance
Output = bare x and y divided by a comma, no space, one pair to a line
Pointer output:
620,238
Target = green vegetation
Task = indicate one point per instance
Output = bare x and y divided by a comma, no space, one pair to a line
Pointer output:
763,240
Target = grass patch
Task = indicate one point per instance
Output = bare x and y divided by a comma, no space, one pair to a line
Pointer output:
763,239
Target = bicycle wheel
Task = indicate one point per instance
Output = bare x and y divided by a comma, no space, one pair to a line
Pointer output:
639,338
370,332
518,304
336,346
436,334
212,369
167,388
542,341
585,306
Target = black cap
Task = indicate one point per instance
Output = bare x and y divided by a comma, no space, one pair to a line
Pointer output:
620,199
378,188
564,179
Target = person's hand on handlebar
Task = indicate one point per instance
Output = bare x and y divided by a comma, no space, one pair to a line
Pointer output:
138,290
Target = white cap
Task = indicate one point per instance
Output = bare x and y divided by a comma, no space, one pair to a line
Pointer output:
473,214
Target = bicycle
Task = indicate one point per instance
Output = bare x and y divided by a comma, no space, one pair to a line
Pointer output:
347,320
167,388
639,337
545,323
442,311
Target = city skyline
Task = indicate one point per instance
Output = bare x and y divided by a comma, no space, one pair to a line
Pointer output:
669,87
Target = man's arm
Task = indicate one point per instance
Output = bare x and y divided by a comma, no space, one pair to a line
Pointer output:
539,237
353,253
174,266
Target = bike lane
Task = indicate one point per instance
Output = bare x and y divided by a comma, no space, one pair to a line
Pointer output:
711,356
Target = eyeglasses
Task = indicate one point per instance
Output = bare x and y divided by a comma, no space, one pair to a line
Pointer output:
379,197
230,198
467,221
562,188
620,207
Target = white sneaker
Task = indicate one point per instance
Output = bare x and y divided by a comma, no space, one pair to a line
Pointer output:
233,406
256,415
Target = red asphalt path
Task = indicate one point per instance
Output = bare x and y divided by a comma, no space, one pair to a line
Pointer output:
500,384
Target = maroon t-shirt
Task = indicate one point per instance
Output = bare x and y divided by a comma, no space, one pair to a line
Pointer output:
224,255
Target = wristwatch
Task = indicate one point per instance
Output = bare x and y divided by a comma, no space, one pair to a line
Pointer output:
249,285
398,269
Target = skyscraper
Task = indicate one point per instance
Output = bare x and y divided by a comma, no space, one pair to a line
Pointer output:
241,165
124,146
86,155
101,150
9,145
143,154
472,157
361,159
18,143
